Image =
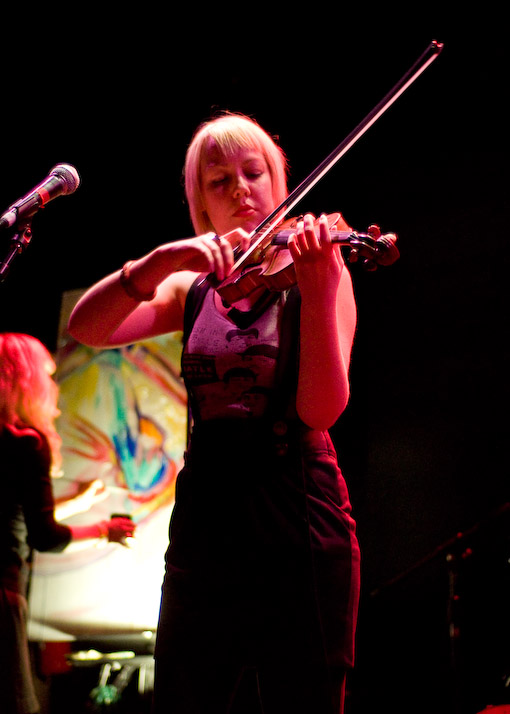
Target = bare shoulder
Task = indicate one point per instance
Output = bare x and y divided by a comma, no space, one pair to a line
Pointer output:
172,294
177,285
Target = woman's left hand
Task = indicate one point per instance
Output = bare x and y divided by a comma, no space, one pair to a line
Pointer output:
120,530
317,260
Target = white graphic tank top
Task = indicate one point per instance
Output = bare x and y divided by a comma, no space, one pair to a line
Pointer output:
231,371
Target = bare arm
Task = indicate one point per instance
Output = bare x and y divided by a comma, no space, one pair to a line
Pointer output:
106,316
88,495
116,530
328,324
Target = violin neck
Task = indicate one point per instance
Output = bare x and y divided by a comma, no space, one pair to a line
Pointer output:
342,237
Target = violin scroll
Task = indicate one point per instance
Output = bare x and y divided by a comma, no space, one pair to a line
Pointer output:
374,248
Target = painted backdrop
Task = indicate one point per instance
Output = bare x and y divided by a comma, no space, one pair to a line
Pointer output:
123,420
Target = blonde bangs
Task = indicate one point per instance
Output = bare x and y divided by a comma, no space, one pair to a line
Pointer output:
230,132
230,136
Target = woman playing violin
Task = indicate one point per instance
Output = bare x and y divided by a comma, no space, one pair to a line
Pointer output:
260,593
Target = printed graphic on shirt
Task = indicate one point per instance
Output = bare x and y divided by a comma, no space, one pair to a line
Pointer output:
231,370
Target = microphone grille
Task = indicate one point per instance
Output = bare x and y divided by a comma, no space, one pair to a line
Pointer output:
68,175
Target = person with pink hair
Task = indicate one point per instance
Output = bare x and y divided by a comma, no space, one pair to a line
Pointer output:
30,457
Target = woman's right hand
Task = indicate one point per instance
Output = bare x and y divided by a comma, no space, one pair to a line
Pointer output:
207,253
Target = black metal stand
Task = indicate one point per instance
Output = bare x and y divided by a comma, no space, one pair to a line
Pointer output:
455,551
19,242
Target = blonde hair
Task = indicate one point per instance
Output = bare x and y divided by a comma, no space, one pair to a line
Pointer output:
28,393
230,132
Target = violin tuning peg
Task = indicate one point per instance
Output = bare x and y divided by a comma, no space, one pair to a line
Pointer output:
353,255
374,231
369,265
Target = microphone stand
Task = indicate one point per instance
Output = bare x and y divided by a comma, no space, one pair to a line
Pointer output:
19,242
455,550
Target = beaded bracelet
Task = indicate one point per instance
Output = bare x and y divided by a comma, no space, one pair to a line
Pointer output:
129,288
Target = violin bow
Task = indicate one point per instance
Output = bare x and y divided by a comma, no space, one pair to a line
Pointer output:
270,222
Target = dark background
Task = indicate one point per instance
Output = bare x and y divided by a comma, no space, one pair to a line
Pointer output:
423,442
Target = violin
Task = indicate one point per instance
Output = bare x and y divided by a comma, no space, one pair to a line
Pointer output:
269,265
267,262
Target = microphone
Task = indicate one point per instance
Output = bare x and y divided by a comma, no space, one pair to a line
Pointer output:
62,179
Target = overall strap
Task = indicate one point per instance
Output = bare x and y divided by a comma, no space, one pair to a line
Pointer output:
194,300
